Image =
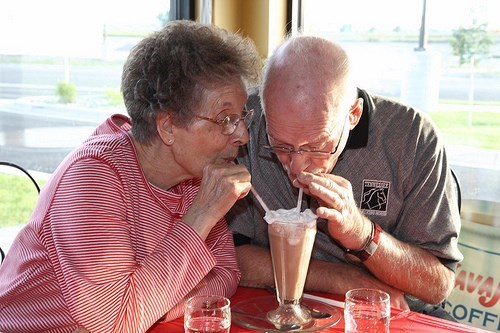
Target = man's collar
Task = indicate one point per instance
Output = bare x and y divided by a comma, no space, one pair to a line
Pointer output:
358,136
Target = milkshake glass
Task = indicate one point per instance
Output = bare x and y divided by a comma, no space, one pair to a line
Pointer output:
291,237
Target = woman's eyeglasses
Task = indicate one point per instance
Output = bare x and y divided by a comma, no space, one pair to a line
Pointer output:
230,122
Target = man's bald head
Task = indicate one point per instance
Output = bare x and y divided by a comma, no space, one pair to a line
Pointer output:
307,67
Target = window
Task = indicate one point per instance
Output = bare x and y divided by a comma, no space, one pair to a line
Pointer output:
60,72
383,40
61,63
392,58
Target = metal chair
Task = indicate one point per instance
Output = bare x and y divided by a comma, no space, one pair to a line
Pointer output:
459,199
13,165
458,189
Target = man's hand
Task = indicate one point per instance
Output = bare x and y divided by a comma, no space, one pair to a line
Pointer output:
345,221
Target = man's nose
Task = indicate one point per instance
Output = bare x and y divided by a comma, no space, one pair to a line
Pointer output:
297,162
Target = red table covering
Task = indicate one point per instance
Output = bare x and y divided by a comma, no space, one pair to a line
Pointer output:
414,322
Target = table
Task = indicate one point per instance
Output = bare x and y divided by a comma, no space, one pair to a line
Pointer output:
413,322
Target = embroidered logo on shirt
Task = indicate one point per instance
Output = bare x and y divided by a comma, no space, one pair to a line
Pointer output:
374,197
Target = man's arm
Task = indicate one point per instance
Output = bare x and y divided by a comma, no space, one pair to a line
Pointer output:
255,265
406,267
336,278
411,269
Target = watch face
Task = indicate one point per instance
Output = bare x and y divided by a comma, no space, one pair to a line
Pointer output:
370,249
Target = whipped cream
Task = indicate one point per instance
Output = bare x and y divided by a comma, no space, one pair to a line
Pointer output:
289,216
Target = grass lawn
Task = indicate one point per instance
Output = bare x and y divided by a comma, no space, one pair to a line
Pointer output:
18,198
482,133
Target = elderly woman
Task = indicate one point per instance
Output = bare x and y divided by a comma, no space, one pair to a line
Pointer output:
132,222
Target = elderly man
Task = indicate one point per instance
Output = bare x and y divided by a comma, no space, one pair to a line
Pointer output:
374,171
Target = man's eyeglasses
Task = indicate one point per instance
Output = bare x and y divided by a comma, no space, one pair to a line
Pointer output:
312,153
230,122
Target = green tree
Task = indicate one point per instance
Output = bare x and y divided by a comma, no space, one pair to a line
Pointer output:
468,43
66,92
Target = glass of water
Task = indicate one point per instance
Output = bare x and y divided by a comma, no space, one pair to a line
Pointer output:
367,311
207,314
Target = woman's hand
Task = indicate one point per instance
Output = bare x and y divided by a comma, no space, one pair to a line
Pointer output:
221,186
81,329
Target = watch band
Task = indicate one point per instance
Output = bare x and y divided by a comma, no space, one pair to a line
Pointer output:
368,249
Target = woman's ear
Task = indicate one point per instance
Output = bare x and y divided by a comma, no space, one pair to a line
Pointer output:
164,127
355,112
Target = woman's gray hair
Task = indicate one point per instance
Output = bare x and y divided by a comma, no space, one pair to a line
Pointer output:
170,70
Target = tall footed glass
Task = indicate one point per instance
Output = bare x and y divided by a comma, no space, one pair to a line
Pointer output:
291,237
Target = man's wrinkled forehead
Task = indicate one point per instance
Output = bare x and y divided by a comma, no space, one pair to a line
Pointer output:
303,101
